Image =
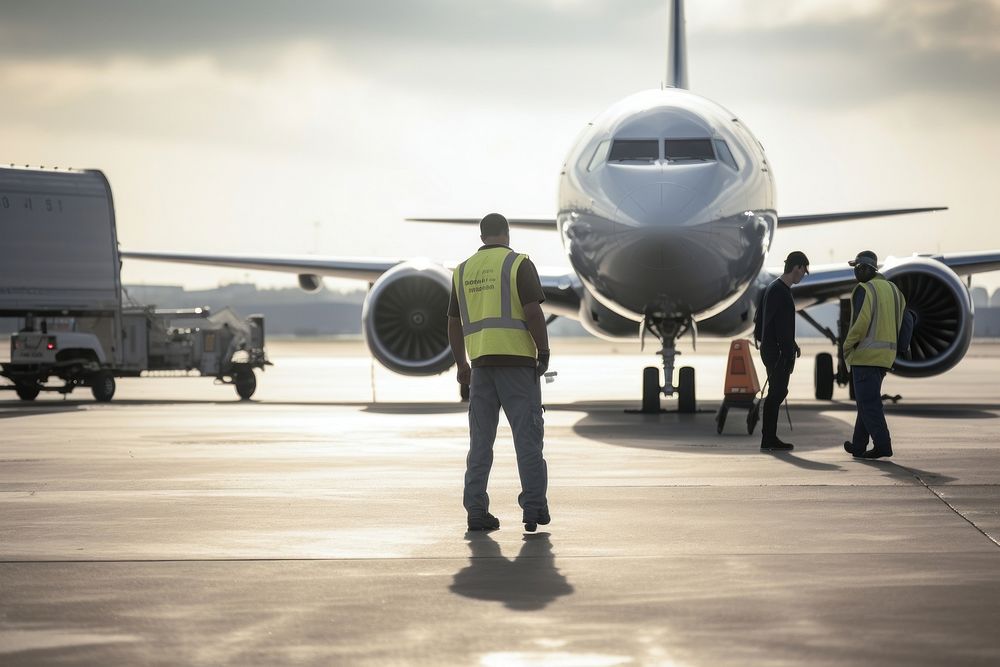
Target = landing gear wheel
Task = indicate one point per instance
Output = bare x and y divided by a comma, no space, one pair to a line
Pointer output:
823,376
650,389
685,390
464,393
753,416
720,418
103,387
246,384
27,393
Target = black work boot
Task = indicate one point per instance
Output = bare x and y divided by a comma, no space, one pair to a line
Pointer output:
484,522
877,453
850,449
542,518
775,445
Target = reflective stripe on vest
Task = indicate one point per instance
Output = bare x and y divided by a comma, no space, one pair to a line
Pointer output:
500,327
878,347
870,342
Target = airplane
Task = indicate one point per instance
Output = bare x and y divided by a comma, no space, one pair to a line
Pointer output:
666,213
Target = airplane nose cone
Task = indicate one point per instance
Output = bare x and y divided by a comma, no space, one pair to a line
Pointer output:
654,204
647,225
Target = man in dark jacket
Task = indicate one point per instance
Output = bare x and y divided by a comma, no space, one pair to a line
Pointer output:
777,345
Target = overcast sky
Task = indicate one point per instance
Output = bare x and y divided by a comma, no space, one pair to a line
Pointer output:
316,126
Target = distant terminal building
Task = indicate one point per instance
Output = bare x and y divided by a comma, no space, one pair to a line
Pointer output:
292,312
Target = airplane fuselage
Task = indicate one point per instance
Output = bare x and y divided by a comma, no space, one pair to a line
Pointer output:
666,204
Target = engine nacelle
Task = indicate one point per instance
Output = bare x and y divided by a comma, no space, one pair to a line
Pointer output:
944,310
737,319
310,283
405,319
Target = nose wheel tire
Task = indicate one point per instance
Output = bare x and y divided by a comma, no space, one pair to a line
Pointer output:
685,390
650,390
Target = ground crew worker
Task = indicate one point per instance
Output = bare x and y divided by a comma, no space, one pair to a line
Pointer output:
495,317
877,308
777,346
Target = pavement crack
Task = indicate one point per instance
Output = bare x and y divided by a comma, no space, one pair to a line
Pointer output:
950,506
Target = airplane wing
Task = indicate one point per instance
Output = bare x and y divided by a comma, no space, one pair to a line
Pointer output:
356,268
803,220
523,223
562,290
833,281
783,220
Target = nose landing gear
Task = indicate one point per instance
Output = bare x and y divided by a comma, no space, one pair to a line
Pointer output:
668,330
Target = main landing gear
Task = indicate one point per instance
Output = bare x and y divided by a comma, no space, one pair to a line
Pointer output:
667,330
824,375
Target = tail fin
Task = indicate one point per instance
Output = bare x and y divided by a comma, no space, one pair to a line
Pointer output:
677,74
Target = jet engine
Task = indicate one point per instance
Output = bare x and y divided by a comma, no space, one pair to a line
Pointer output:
737,319
944,311
310,283
405,319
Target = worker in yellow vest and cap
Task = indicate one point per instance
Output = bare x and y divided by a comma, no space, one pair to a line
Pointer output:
877,308
496,319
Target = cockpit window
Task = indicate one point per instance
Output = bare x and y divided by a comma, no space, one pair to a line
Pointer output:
634,149
599,155
688,149
725,155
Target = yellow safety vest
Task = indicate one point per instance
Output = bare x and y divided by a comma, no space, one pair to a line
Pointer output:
493,319
871,340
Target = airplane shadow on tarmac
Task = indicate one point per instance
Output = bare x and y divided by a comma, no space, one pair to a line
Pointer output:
528,583
606,423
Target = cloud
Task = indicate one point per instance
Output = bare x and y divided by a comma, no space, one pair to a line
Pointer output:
114,27
921,48
804,52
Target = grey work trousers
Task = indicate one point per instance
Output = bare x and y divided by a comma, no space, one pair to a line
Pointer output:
518,391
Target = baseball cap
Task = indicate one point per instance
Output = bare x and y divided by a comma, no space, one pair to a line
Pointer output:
866,257
798,258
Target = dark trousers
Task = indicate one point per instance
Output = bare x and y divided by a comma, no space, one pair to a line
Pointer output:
777,390
870,422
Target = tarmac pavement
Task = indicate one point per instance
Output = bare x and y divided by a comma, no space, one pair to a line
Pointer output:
313,525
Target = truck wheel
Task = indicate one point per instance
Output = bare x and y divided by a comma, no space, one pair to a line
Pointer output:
246,384
27,393
103,387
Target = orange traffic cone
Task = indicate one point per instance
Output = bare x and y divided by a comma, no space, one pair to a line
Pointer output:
741,376
741,387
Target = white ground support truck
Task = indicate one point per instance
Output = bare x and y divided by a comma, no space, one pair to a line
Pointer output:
60,276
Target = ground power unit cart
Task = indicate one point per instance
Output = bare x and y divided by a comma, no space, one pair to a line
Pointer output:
60,278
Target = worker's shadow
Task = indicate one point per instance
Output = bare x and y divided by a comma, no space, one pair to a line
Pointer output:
529,582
